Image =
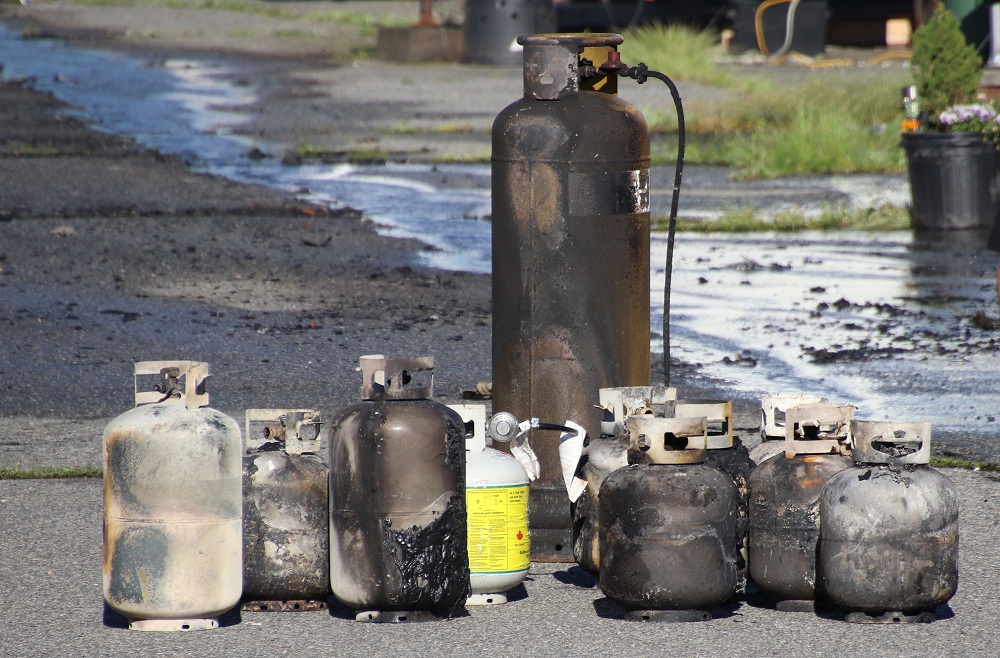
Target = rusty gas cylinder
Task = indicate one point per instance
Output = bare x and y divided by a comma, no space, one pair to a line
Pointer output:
784,503
398,528
286,531
604,455
172,504
570,171
668,525
889,538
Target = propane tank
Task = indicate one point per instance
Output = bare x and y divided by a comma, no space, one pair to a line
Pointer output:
286,532
668,526
773,408
496,496
398,528
727,453
889,539
784,503
570,253
603,456
172,504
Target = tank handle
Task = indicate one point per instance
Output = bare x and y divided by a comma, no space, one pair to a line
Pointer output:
393,379
773,408
818,429
474,417
719,417
297,431
657,440
620,402
888,442
168,389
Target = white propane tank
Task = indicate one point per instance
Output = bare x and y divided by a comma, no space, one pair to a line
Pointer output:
173,488
496,490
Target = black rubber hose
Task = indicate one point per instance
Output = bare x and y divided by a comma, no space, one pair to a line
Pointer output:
640,73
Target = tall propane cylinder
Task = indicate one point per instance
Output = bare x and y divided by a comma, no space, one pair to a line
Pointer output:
668,527
286,531
172,504
398,527
496,496
889,539
570,253
784,503
604,455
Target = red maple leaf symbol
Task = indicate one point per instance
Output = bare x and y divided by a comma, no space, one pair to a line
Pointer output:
520,535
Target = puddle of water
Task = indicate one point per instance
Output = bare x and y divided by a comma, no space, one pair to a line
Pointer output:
803,308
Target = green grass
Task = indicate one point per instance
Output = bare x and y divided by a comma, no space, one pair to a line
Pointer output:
744,220
827,124
961,462
49,473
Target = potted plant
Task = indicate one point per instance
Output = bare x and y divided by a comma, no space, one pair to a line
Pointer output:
950,161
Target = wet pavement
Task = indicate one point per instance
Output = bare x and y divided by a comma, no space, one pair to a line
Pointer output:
885,321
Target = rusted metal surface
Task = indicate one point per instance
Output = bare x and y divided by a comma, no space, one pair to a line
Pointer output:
570,259
890,529
668,537
657,440
286,550
172,506
398,528
785,524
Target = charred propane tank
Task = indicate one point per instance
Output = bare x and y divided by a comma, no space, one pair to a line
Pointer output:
172,504
668,525
727,453
570,253
604,455
496,496
889,539
784,503
286,525
773,408
398,528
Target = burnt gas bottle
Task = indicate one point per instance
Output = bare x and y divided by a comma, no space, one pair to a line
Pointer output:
286,531
570,217
398,527
496,496
727,453
668,525
172,504
784,503
604,455
889,547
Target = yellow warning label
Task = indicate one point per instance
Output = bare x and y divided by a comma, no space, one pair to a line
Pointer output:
498,528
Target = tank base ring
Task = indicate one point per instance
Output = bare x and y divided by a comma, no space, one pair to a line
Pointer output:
667,615
892,617
795,605
395,616
487,599
173,625
298,605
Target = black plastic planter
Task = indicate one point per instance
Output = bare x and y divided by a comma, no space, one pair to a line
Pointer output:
952,180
